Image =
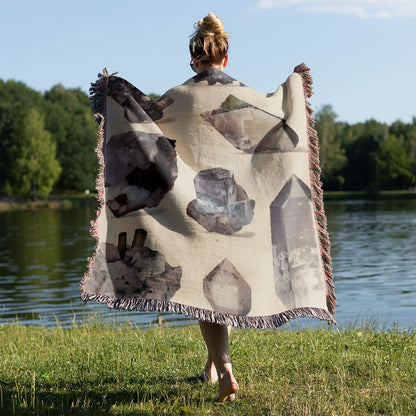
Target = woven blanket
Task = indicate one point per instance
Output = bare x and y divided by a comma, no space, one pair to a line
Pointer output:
210,202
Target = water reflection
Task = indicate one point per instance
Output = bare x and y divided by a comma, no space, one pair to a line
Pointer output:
43,257
374,260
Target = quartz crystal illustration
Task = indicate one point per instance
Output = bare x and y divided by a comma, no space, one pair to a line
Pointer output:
281,138
221,205
226,290
296,258
234,120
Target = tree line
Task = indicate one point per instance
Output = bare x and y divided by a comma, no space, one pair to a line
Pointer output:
367,156
47,140
47,143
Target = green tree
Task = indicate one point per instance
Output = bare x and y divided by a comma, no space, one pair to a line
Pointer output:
154,96
361,142
394,164
8,119
71,123
15,92
408,133
35,168
15,99
332,154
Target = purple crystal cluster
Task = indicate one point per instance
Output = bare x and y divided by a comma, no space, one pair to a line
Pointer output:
221,205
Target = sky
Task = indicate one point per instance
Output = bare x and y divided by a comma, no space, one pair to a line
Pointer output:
361,53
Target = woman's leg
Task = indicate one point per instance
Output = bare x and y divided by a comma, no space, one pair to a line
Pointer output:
209,374
216,339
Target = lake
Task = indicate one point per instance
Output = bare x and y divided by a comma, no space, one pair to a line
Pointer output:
43,257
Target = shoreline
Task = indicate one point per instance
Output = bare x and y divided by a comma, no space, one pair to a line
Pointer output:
59,201
348,195
67,201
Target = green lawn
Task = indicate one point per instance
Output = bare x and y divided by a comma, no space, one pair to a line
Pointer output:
109,369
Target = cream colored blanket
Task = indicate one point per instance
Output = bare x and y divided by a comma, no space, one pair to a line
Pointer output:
211,203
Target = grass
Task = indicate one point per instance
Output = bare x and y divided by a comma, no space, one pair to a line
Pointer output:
105,369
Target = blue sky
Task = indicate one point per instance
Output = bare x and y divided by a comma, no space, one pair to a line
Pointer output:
361,52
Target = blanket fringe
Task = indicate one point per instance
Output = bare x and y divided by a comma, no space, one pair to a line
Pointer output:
317,192
98,91
245,322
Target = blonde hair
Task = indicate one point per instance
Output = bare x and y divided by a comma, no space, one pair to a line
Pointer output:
209,42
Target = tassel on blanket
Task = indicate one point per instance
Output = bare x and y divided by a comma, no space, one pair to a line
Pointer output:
317,193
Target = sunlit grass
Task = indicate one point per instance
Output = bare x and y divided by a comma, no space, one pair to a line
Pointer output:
118,369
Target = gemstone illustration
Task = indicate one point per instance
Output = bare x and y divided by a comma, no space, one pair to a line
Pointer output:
296,258
140,170
221,205
134,271
226,290
235,118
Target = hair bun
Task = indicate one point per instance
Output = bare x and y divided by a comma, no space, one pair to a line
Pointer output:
211,25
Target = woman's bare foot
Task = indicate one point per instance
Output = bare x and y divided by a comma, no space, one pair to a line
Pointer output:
228,388
216,340
209,374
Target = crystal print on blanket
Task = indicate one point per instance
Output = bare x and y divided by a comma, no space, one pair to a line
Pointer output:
134,270
143,170
236,120
222,205
293,244
226,289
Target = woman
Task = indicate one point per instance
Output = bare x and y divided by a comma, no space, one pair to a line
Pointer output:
209,49
211,203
